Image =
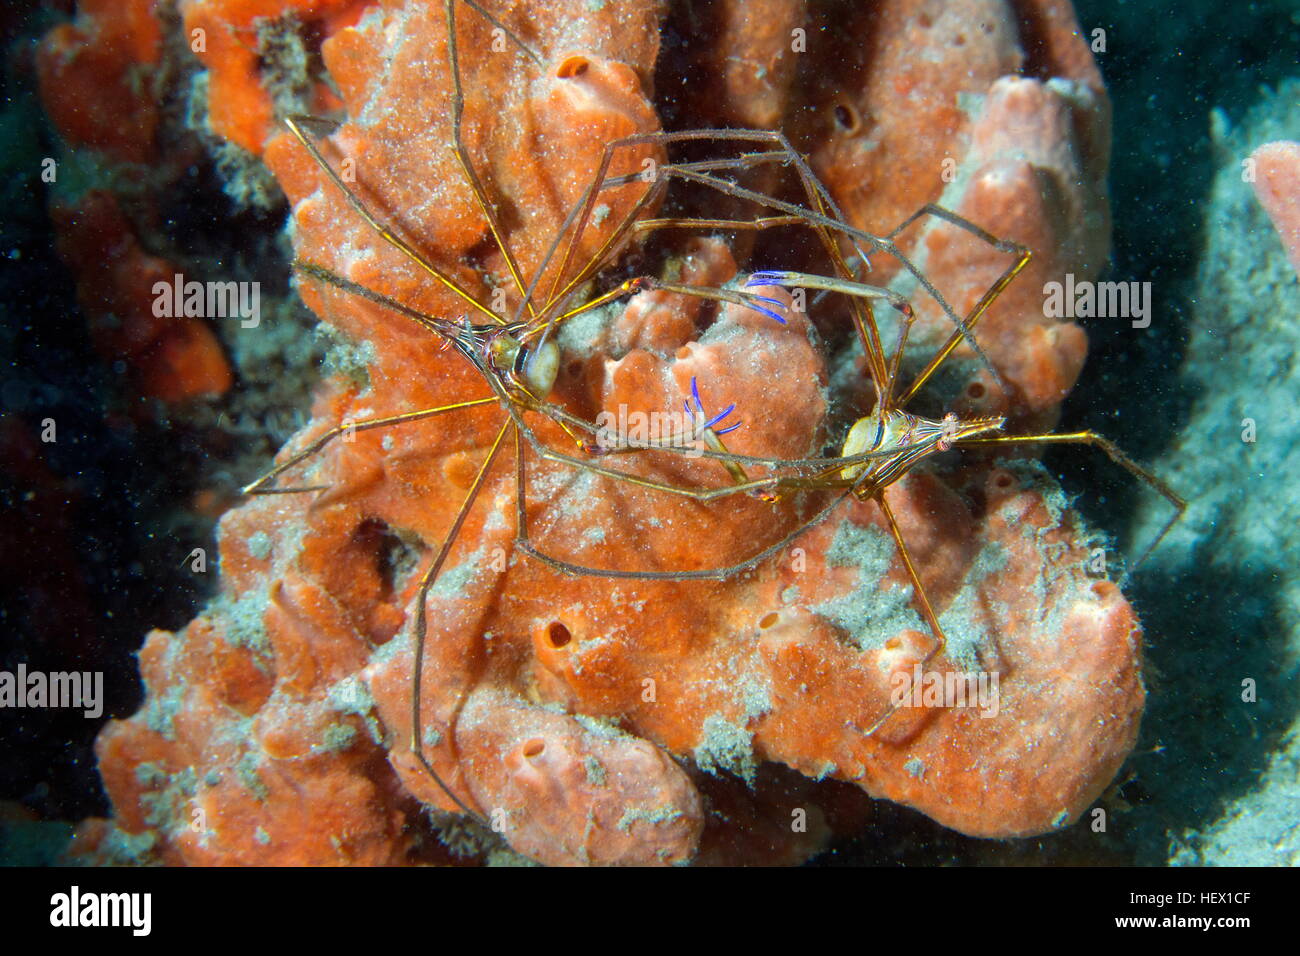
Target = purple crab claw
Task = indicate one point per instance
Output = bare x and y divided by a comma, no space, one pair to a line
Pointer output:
766,278
749,302
761,279
699,412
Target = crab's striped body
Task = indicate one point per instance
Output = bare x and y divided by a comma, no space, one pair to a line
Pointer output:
908,439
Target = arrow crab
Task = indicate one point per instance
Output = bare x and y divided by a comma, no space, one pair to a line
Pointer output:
509,331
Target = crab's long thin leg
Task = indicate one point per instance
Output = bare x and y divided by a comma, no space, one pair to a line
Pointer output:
421,616
643,226
927,609
611,242
514,37
765,222
783,152
437,326
802,280
904,329
864,317
582,209
922,598
640,226
524,544
1116,454
884,245
556,412
258,487
982,306
801,466
458,146
296,124
650,283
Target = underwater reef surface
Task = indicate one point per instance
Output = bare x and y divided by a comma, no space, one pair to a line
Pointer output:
281,713
1233,556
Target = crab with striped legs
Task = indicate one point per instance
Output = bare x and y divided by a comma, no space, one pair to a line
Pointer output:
519,360
881,448
904,440
517,367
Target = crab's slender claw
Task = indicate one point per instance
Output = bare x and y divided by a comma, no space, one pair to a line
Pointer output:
698,412
767,278
750,303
